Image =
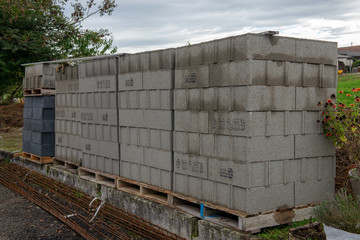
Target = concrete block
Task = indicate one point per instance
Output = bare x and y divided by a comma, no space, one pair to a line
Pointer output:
155,140
265,198
312,51
313,145
182,56
323,190
230,73
44,126
27,124
159,119
47,82
44,113
88,115
160,79
132,153
270,148
27,135
191,165
192,121
180,142
228,172
26,146
107,116
62,139
209,98
166,98
329,77
98,83
266,47
224,99
181,183
130,81
165,140
207,145
28,113
86,160
42,150
154,99
74,141
124,63
43,102
263,98
43,138
231,123
258,175
134,62
312,75
222,194
194,99
34,70
193,143
131,118
180,99
28,102
209,52
90,146
192,77
157,158
109,149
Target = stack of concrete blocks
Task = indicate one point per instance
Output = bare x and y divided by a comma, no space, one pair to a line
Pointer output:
146,117
99,115
67,122
39,76
246,133
38,132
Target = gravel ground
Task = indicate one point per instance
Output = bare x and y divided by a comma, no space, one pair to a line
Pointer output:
21,219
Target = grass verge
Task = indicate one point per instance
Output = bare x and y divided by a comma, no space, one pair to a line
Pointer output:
11,140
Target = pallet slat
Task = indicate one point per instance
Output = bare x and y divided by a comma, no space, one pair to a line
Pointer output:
39,92
36,159
99,177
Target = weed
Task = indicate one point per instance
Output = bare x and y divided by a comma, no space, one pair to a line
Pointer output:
343,212
282,231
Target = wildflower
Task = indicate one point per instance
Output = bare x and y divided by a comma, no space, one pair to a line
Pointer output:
357,100
329,101
352,105
341,105
341,91
354,90
348,95
328,134
334,106
358,89
319,103
333,96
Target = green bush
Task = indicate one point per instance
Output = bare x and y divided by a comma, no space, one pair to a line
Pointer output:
356,63
343,212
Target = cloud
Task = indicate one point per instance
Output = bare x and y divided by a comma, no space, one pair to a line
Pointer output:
143,25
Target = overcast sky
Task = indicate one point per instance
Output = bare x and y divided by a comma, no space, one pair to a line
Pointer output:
139,25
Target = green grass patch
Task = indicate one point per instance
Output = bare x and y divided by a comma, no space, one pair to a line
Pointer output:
11,141
346,83
282,231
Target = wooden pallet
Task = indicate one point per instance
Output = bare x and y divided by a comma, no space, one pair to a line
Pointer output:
144,190
34,158
221,215
99,177
39,92
65,165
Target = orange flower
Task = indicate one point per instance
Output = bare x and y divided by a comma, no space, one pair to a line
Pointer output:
328,134
329,101
334,106
341,91
358,89
352,104
349,95
354,90
357,99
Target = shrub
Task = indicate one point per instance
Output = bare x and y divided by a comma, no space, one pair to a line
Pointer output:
343,212
342,125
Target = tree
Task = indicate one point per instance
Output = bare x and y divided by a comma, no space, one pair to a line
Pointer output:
39,30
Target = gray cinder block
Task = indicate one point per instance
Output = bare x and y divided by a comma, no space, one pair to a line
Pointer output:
44,113
43,126
42,150
313,145
43,138
323,190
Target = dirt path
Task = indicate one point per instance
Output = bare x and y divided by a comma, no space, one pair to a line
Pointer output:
21,219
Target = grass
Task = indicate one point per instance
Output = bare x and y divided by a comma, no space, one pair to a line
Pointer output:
346,83
282,231
11,140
